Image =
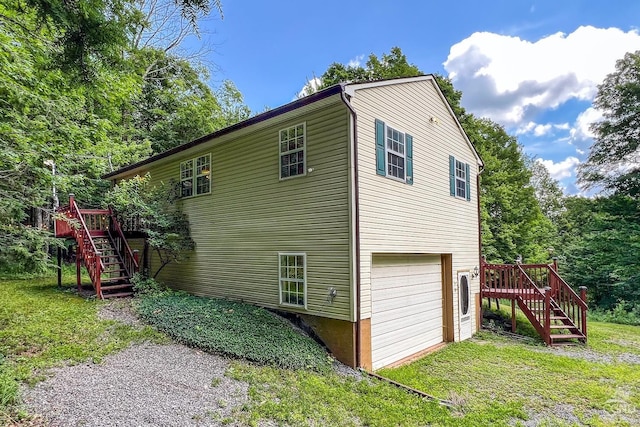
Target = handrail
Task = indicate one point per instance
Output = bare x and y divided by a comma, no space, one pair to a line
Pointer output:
574,306
536,306
87,248
84,226
569,290
129,254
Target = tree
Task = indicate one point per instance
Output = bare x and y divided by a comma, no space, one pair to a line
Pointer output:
601,242
76,91
512,221
547,190
391,65
614,158
160,216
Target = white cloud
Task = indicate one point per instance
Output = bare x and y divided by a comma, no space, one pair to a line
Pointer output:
580,131
510,80
310,88
563,169
539,129
355,62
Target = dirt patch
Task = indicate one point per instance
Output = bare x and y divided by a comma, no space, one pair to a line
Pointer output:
121,310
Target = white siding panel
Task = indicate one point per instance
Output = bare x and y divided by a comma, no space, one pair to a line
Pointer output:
406,306
421,218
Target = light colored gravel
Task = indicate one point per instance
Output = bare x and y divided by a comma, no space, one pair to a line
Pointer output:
144,385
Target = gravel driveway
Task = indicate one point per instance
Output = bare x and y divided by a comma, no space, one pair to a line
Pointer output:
144,385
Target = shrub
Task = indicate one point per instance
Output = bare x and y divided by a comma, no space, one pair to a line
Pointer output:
234,329
624,313
146,285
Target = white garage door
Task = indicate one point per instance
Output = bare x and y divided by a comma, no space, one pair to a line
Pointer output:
406,306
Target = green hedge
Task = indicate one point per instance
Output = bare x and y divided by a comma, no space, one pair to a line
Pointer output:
234,329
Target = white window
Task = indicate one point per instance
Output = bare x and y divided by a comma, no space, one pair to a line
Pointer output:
293,279
461,179
195,176
292,151
394,153
395,150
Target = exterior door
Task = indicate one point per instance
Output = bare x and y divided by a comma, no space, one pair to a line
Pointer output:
465,306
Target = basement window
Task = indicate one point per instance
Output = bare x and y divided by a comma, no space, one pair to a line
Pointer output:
293,279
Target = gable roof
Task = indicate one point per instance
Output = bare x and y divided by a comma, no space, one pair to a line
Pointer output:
342,88
351,88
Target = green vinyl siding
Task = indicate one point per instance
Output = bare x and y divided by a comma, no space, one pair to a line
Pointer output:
251,215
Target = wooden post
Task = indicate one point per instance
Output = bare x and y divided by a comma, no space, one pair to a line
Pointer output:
547,314
78,278
583,297
513,316
146,267
97,271
72,198
554,281
59,267
136,257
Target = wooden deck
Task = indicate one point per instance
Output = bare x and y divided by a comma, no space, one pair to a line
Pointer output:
554,309
101,246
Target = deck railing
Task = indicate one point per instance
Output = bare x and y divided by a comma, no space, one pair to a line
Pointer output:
574,305
129,257
87,250
515,282
539,291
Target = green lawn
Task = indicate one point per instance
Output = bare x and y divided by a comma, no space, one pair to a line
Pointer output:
491,380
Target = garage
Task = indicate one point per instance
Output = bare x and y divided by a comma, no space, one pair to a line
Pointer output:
406,306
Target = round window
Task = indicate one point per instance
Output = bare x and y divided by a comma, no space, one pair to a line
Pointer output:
464,295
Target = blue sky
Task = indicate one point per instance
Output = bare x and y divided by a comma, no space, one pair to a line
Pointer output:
532,66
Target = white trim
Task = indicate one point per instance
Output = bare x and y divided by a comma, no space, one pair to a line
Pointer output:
281,279
352,222
388,151
351,88
194,176
457,178
465,329
302,150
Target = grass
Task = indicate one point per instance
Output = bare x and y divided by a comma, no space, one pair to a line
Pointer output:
42,326
491,379
304,398
502,381
233,329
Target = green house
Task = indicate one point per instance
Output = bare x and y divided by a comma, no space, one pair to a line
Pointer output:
355,208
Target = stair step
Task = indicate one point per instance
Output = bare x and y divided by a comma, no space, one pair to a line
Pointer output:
117,295
562,327
111,263
114,279
566,336
116,287
107,272
559,318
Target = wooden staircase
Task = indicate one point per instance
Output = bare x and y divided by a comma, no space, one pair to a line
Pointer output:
101,247
554,309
